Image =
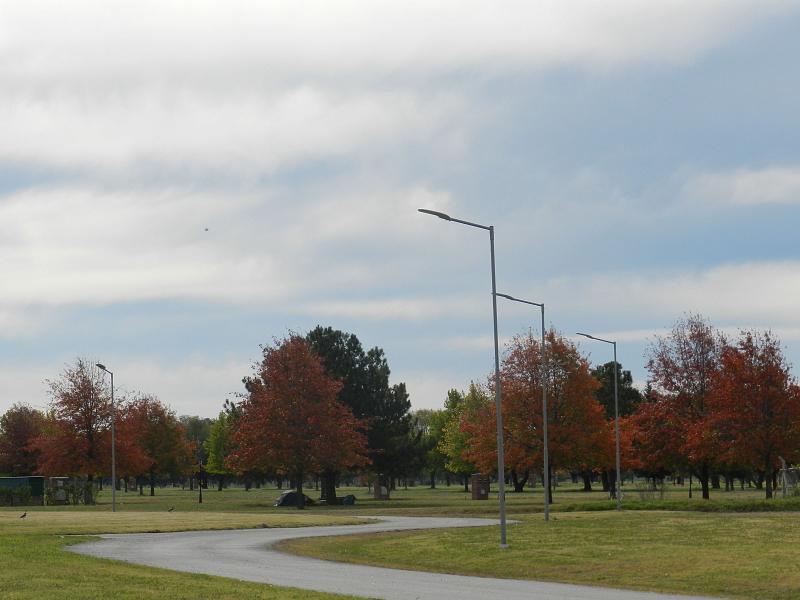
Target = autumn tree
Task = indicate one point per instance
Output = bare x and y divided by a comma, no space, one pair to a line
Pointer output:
77,439
20,425
579,438
160,436
755,405
366,391
291,421
683,366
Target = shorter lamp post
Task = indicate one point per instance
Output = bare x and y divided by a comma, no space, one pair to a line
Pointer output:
618,481
200,482
113,441
546,471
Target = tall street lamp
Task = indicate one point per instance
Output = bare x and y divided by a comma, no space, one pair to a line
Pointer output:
102,367
618,479
501,470
546,471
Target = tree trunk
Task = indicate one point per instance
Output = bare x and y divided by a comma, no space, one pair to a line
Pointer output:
125,481
768,479
604,479
703,476
433,480
220,482
587,481
88,496
715,482
328,492
466,483
152,483
519,482
301,497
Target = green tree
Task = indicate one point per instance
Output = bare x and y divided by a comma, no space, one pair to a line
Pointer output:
431,424
454,444
628,396
219,445
368,394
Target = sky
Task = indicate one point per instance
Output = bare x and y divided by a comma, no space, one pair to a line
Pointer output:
182,182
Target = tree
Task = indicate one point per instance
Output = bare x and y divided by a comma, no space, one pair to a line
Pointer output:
628,399
76,439
291,421
431,424
197,430
20,425
219,445
161,437
384,408
755,405
461,408
682,368
579,437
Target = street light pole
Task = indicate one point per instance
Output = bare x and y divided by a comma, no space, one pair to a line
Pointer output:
546,471
501,470
113,441
618,481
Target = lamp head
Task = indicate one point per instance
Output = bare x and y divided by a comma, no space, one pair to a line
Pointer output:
435,213
100,366
506,296
591,337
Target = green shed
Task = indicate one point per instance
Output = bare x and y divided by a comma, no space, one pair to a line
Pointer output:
20,491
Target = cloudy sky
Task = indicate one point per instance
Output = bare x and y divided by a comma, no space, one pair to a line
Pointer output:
181,182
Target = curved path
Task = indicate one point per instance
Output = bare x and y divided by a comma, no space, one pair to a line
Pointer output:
247,554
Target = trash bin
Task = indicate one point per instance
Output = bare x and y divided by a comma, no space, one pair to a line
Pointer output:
480,486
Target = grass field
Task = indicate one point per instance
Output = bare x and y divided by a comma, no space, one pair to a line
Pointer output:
733,555
725,552
35,564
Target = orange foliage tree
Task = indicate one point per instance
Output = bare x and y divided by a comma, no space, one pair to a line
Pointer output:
291,421
755,406
19,426
579,437
155,439
683,366
77,436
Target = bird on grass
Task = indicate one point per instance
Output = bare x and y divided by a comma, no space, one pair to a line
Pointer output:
23,515
171,508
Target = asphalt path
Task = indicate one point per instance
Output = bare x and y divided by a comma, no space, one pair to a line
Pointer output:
247,554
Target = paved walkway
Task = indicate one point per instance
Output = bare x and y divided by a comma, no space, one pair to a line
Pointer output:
246,554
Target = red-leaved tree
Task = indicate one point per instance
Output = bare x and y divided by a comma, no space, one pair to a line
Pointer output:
755,406
683,366
579,437
291,422
77,436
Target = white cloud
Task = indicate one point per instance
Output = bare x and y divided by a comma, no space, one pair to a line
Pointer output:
247,87
429,390
195,386
749,187
753,292
93,245
412,309
25,384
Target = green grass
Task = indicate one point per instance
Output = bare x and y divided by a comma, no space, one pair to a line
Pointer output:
692,552
36,565
731,555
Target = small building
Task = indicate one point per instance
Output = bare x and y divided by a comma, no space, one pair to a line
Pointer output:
22,491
